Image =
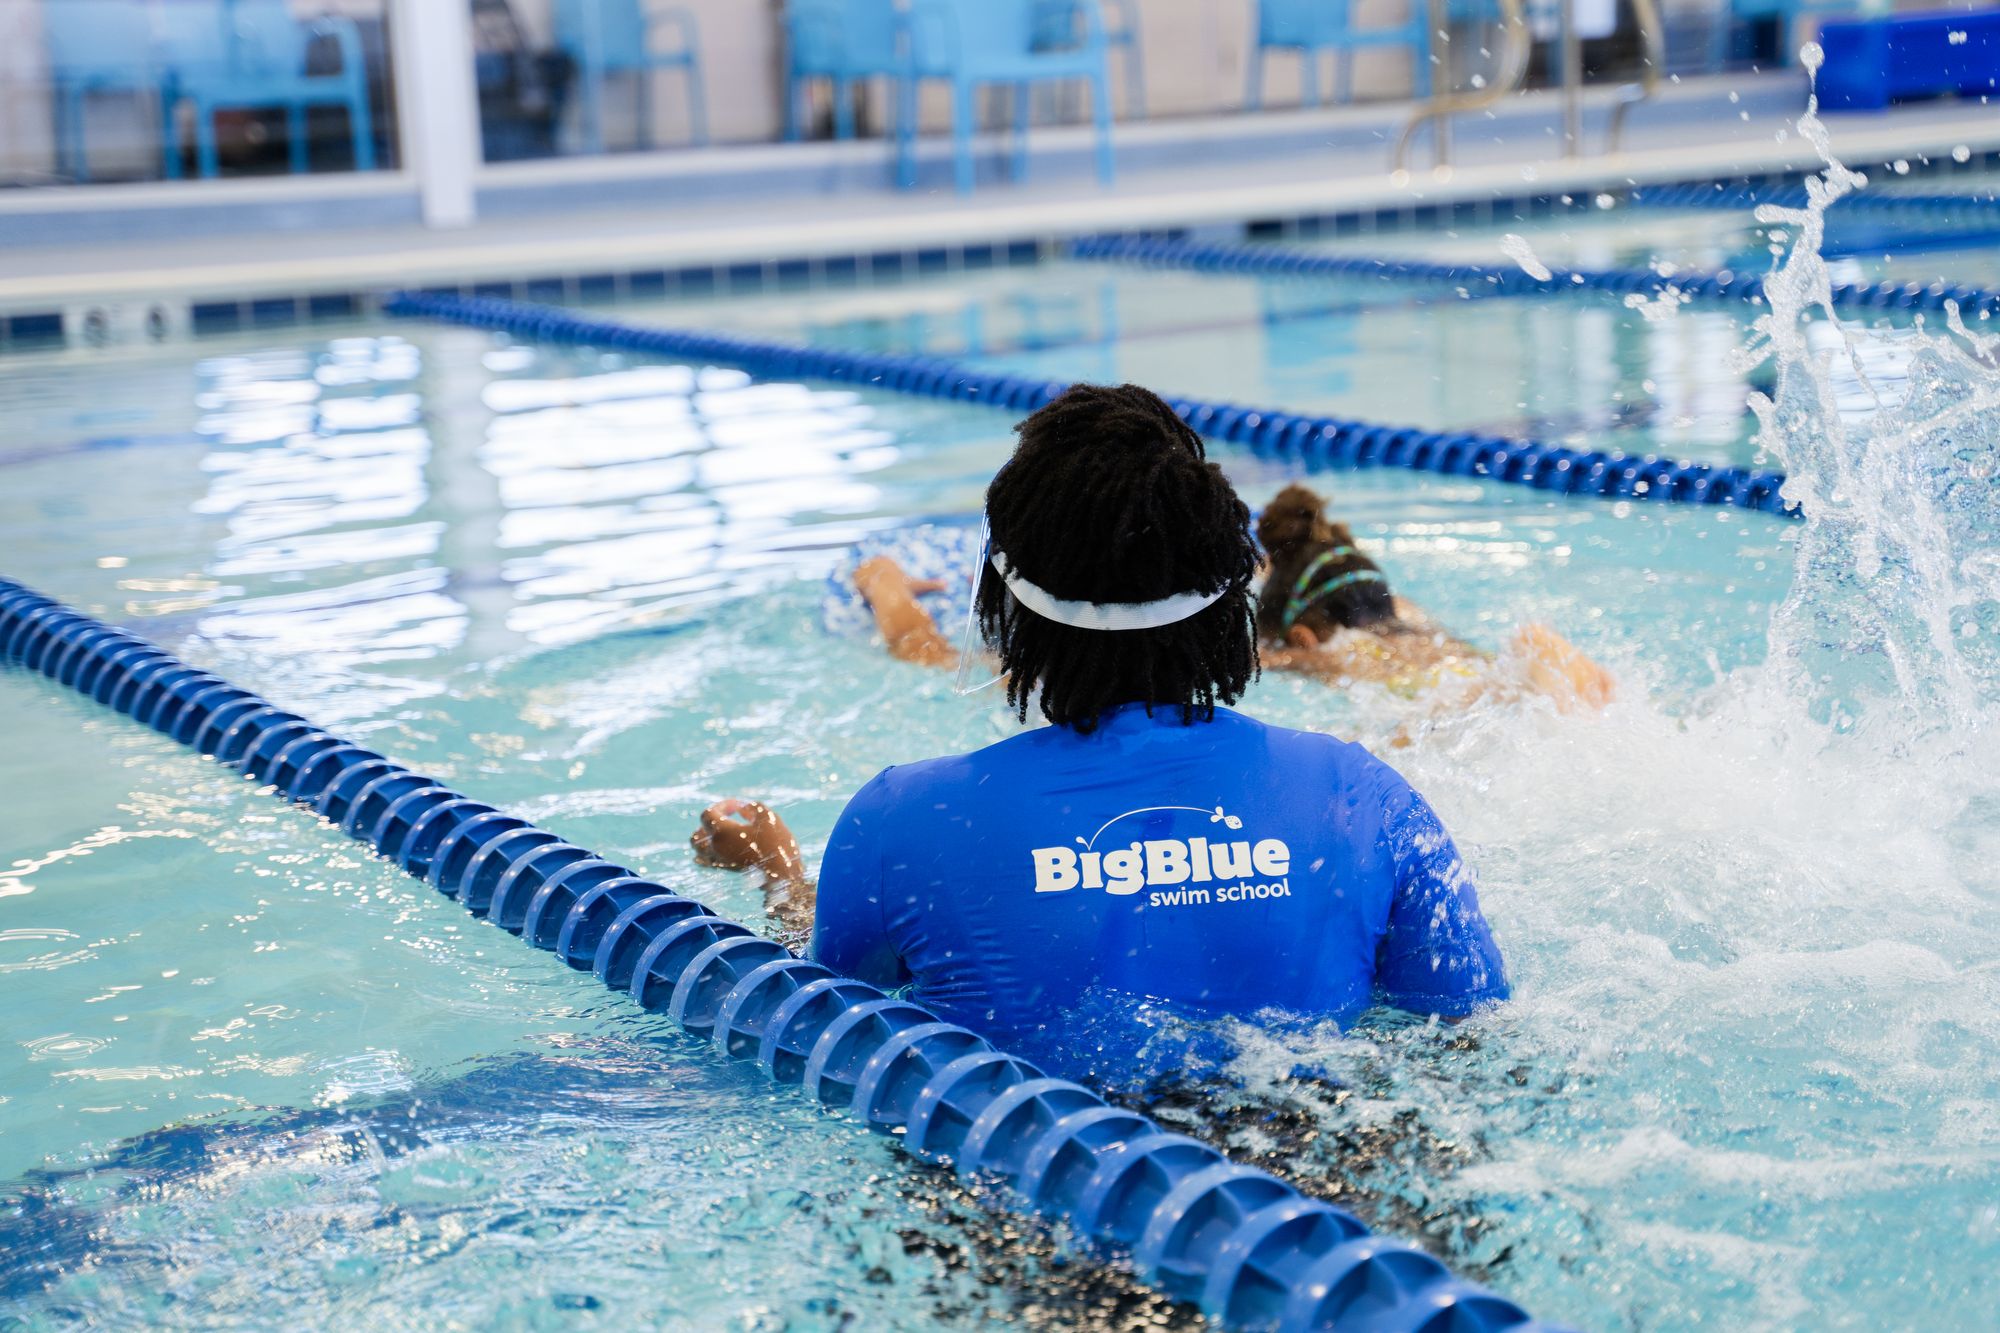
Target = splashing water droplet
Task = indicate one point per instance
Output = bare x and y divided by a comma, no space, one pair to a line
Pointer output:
1517,249
1889,437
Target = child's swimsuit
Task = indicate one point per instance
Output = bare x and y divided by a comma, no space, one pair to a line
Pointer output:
1306,591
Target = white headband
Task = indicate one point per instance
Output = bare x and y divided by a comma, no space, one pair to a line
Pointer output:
1105,615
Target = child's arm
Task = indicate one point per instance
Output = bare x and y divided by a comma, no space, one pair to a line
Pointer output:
748,835
846,926
906,627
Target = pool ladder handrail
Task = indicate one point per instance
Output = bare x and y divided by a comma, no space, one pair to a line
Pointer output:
1513,68
1653,40
1516,45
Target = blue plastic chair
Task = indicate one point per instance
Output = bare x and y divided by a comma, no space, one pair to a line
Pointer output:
616,37
974,43
252,53
95,46
1056,26
843,41
1312,26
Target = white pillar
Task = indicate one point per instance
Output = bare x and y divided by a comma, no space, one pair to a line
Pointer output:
431,45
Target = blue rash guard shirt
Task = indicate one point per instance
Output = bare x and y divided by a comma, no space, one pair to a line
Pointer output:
1222,866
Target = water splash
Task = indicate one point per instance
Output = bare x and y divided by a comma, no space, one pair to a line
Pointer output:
1889,438
1752,939
1517,249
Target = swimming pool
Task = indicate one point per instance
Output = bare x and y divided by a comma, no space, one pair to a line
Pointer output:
258,1075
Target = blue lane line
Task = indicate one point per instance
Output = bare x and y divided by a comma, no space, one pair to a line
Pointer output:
1743,198
1920,243
1252,1251
1315,442
1511,280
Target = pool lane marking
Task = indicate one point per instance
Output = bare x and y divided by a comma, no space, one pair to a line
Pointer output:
1512,280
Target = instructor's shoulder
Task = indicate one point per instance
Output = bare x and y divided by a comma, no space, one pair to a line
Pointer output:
920,777
1348,765
930,783
1318,745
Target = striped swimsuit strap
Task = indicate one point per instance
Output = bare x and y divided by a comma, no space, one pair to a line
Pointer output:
1308,590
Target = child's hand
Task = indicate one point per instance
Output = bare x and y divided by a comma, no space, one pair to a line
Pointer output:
746,835
880,574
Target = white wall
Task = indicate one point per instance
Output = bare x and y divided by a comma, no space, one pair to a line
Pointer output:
27,150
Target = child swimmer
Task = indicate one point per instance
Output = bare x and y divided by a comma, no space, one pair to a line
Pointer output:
1326,611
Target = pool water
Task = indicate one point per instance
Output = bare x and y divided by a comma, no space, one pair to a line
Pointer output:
1751,1079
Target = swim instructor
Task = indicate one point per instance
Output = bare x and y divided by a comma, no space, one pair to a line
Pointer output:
1149,842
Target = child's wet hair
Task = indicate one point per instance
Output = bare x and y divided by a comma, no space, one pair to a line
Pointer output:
1295,532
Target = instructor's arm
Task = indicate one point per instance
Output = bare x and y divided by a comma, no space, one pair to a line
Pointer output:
1437,955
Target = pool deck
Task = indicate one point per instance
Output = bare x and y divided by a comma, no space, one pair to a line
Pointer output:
240,240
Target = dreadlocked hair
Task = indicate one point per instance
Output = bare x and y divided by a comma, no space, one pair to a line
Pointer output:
1109,497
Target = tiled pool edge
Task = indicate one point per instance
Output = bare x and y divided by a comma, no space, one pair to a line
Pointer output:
220,314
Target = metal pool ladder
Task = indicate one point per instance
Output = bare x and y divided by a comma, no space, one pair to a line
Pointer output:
1513,68
1653,43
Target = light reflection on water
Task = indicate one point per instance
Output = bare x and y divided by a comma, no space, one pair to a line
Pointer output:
613,494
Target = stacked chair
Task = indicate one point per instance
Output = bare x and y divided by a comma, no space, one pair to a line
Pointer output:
968,44
1311,27
616,37
95,47
209,56
1059,23
844,42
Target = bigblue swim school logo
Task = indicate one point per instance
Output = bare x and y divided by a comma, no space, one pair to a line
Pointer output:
1180,872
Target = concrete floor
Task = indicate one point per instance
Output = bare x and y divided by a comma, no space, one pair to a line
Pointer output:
242,240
